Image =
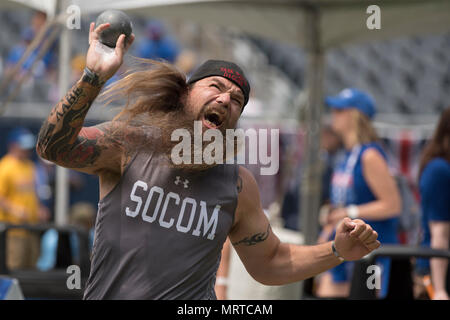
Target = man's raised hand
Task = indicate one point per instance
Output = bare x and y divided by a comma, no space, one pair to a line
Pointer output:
101,59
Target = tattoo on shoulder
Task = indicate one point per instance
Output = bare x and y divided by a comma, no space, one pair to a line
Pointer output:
254,239
239,184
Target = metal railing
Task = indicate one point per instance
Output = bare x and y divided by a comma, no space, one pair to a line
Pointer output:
359,288
83,240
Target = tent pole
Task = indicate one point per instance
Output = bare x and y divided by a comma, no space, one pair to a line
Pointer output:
311,180
61,183
310,190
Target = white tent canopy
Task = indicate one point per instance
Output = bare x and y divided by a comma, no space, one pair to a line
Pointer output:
341,21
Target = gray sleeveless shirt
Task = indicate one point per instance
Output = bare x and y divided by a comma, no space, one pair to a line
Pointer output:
160,231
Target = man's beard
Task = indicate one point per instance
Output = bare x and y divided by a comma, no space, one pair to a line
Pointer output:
166,122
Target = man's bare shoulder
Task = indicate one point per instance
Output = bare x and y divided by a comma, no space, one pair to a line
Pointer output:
127,137
126,134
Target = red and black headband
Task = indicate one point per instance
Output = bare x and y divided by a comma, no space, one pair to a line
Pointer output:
226,69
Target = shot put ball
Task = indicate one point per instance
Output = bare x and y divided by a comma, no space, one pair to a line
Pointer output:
119,22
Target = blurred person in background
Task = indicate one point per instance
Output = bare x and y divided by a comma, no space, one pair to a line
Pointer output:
361,187
434,184
158,44
46,184
17,52
38,20
330,151
77,65
19,203
82,216
28,34
330,144
186,62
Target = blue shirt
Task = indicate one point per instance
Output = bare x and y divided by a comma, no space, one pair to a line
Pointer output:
358,192
434,185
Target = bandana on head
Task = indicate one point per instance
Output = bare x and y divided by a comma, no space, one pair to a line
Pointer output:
226,69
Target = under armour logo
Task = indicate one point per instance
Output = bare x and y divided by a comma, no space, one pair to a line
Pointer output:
178,181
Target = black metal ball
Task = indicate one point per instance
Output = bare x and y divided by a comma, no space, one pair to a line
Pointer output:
119,22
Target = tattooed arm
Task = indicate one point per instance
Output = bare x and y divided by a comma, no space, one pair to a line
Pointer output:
62,138
272,262
64,141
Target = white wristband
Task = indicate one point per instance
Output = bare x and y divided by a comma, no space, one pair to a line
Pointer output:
221,281
352,211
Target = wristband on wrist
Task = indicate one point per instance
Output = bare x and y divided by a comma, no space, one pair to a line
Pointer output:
221,281
92,78
337,255
352,211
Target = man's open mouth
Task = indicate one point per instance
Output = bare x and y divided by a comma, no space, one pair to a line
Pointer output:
213,119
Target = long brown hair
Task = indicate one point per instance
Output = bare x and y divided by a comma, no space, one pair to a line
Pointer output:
148,86
365,131
439,145
155,95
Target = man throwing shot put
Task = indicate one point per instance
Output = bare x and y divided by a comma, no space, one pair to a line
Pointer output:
161,226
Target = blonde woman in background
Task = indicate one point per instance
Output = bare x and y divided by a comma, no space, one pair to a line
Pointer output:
361,186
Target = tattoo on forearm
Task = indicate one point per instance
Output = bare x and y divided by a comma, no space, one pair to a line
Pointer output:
239,184
254,239
59,138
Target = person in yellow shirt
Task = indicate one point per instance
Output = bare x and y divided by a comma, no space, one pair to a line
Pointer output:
18,200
